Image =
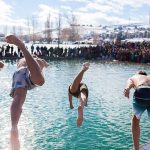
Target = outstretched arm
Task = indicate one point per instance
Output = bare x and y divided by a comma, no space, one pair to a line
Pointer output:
70,100
130,84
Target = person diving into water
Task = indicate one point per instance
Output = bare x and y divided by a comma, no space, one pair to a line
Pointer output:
79,90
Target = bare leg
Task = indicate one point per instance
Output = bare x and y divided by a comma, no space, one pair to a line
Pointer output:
16,107
80,116
16,110
35,71
14,140
78,78
135,132
83,99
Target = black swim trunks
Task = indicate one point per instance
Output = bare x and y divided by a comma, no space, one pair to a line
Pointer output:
82,87
142,96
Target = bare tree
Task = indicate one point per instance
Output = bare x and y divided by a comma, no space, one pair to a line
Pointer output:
33,28
28,25
65,34
148,35
48,31
34,24
14,30
75,28
58,27
20,32
5,29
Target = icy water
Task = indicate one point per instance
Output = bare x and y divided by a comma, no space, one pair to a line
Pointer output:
47,123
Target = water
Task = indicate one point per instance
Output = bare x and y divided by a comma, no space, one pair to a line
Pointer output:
47,123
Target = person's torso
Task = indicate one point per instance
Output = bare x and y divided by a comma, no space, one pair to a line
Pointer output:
140,80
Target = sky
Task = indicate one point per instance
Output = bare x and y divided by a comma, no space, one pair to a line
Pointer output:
87,12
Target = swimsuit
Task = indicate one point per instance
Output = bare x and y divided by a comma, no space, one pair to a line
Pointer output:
142,95
141,100
21,79
82,87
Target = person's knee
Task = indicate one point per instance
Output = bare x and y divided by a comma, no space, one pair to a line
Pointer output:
40,82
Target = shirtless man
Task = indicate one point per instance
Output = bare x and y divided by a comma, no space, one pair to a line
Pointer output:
141,101
27,76
79,90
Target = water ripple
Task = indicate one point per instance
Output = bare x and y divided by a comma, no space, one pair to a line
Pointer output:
47,123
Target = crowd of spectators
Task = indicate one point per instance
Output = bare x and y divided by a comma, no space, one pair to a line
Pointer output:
127,51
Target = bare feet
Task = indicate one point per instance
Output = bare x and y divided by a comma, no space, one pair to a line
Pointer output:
46,64
12,39
86,66
14,139
80,116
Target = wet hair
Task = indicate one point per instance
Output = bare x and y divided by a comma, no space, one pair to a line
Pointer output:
141,72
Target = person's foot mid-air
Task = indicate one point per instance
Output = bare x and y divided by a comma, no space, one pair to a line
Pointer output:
85,66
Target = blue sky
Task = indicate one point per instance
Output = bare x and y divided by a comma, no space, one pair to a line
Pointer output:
95,12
